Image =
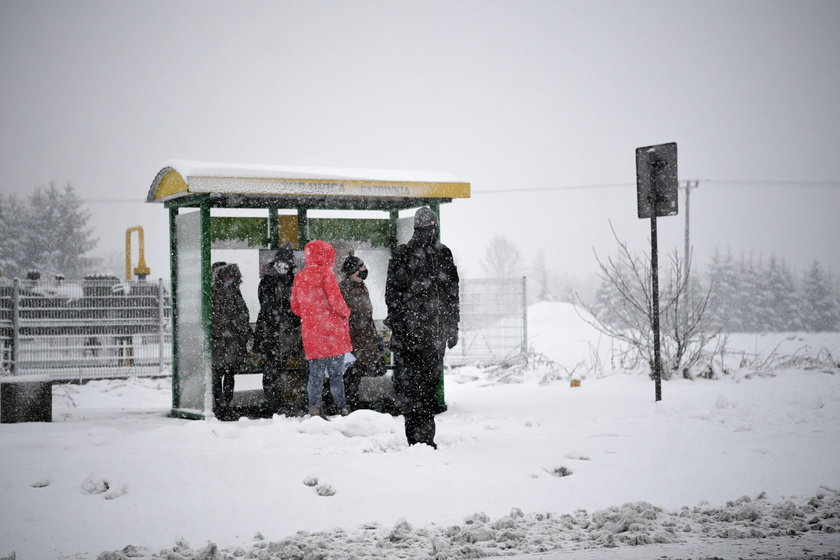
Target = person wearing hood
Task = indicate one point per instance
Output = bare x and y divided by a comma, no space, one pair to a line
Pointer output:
230,331
366,349
421,292
324,319
277,335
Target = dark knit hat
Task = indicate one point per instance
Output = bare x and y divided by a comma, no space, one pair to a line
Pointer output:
424,216
285,254
350,265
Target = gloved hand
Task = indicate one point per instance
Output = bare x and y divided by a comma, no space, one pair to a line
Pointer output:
452,340
394,343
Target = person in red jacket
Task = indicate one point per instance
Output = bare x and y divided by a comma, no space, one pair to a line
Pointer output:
324,321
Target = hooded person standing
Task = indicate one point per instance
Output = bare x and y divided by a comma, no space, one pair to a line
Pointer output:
277,335
366,350
230,331
421,293
324,317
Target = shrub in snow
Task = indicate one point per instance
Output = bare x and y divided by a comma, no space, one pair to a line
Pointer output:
560,471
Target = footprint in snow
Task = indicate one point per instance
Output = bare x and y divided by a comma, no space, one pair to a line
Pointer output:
311,481
325,490
96,485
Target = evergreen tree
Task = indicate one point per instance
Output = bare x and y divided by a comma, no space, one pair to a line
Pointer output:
820,308
747,301
723,309
763,297
784,312
607,302
12,223
49,234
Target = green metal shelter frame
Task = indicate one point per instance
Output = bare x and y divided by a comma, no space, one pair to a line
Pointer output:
201,187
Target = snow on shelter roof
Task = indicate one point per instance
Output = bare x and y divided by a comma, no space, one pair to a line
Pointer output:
179,179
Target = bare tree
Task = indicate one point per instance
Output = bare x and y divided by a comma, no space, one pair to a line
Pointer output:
624,311
502,259
541,278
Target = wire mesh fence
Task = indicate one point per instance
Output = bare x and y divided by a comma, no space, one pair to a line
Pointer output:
106,328
493,326
98,328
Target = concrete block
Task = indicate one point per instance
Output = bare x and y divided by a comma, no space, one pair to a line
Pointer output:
25,398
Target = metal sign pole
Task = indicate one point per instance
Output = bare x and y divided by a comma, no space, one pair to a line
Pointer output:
656,191
654,274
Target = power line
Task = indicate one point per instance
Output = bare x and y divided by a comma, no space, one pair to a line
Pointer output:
756,182
775,182
112,200
558,188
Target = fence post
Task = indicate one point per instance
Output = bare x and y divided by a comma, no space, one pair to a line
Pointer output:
161,325
15,326
524,315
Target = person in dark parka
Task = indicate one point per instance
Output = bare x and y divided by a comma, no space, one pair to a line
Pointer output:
231,330
366,349
421,293
277,335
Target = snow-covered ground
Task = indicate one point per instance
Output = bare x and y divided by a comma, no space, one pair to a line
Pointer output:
746,465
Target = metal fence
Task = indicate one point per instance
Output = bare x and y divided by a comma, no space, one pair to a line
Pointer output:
105,328
494,321
100,328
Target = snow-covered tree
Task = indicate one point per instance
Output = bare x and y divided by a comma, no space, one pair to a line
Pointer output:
819,301
783,308
12,223
724,288
50,234
747,302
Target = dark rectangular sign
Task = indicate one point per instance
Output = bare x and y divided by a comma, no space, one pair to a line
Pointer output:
656,180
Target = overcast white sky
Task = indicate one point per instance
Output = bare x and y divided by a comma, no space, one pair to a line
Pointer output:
507,95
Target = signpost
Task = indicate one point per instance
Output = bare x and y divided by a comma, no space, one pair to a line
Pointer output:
656,194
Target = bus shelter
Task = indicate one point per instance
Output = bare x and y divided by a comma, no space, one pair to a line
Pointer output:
287,201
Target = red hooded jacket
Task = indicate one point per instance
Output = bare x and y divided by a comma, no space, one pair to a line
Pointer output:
317,300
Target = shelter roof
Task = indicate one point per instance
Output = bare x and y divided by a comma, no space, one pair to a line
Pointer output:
241,186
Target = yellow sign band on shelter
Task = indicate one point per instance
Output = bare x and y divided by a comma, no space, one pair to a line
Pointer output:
272,181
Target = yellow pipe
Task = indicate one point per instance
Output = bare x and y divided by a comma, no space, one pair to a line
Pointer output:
141,268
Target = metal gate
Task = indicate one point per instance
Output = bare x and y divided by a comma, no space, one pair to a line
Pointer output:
99,328
493,327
